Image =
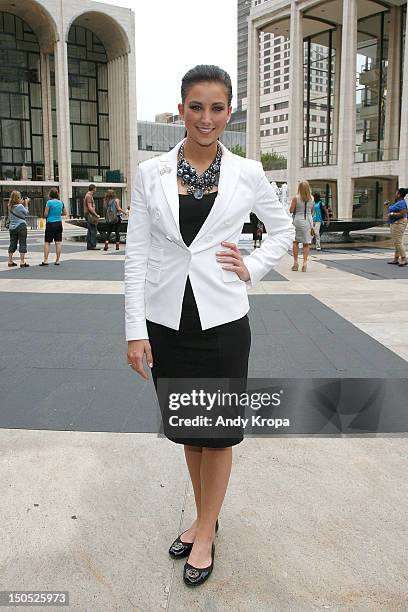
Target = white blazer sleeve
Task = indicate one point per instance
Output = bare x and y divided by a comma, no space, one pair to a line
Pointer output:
279,228
137,252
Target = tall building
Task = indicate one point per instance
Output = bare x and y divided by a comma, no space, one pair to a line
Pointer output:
347,95
67,91
244,7
274,63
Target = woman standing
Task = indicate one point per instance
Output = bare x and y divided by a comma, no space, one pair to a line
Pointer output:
301,208
397,218
319,217
53,212
111,206
17,213
186,281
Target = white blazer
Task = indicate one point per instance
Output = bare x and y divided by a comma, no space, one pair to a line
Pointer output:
158,262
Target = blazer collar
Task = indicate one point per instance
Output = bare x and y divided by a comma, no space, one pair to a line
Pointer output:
229,174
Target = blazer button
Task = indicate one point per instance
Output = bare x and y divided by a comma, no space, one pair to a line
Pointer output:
169,239
157,214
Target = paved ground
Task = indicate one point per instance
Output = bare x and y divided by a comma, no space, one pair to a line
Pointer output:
90,506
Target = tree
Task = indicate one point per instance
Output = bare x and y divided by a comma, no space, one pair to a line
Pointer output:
273,161
238,150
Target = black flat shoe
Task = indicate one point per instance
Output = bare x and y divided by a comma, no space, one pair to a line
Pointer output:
180,549
393,263
193,576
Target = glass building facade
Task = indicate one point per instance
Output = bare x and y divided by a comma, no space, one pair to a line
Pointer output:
88,105
319,75
371,88
21,128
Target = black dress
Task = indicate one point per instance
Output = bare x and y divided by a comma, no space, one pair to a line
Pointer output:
190,352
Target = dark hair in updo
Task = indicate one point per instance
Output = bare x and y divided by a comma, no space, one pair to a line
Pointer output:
205,72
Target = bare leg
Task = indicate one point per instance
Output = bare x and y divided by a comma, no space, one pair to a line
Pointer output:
193,456
22,257
58,249
46,251
215,472
306,250
295,266
295,251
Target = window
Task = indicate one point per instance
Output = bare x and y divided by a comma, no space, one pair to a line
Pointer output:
21,125
280,105
267,90
265,109
89,104
276,88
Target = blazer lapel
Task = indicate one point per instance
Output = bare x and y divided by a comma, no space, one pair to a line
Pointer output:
168,176
229,175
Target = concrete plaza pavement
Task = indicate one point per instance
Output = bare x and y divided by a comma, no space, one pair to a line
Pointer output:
90,507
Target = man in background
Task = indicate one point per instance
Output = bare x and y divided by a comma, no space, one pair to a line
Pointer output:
91,217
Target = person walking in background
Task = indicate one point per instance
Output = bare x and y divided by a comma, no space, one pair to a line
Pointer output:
320,216
17,213
91,217
397,218
53,213
111,206
301,207
258,229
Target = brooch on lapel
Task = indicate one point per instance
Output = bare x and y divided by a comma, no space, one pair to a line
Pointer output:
165,169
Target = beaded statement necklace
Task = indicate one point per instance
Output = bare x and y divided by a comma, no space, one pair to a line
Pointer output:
199,185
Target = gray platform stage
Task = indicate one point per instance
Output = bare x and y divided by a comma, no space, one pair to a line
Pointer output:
65,366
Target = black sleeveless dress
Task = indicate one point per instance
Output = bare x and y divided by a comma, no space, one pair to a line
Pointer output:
190,352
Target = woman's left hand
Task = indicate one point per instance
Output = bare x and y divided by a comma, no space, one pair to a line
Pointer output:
233,261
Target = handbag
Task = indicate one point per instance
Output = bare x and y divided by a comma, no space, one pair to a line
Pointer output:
91,218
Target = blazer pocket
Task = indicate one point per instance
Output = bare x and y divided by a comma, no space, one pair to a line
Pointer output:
153,271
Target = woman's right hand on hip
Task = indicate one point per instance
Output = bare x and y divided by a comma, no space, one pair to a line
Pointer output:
136,350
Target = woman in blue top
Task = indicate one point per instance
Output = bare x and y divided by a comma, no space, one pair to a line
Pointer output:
319,217
17,213
54,211
397,218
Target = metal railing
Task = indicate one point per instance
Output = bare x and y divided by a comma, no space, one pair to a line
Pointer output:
373,153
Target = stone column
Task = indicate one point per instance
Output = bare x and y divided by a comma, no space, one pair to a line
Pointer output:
113,113
392,105
47,116
63,122
253,141
130,137
347,111
336,91
403,147
296,99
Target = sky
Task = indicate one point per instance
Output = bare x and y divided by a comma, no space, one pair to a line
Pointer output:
171,38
